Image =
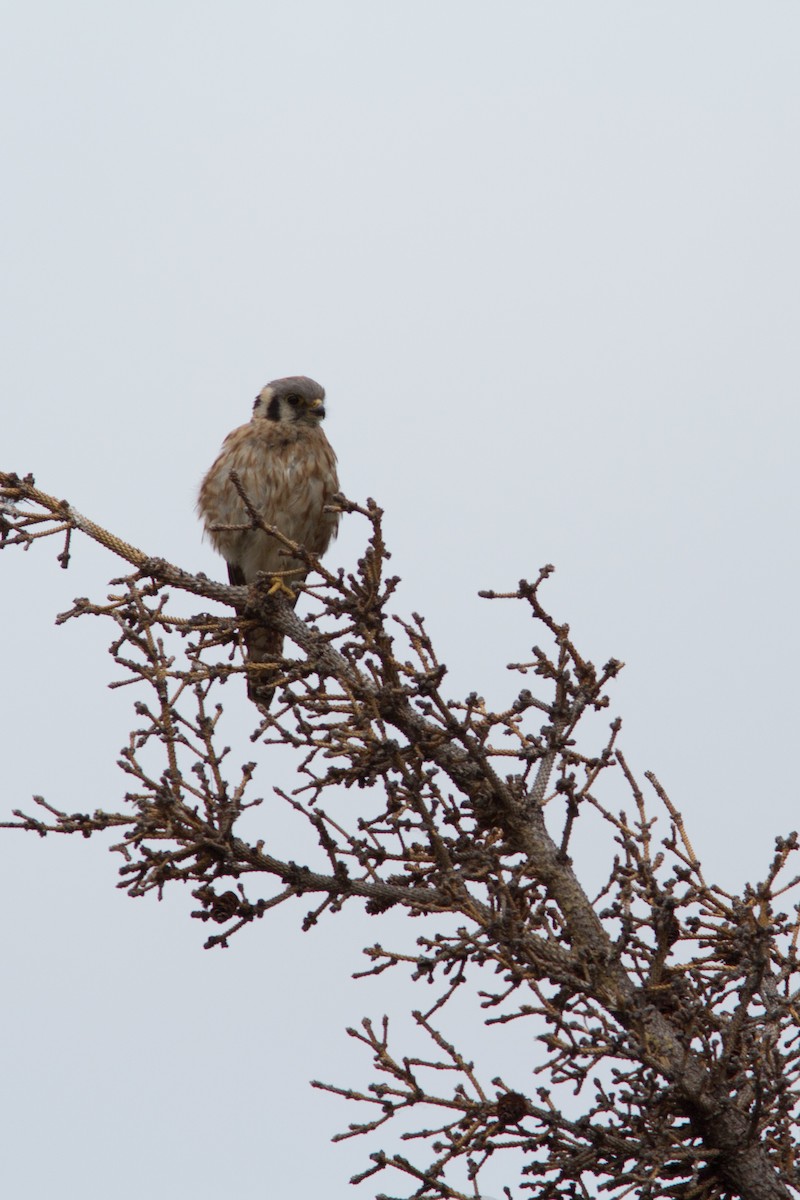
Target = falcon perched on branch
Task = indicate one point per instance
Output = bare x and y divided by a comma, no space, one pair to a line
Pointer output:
287,470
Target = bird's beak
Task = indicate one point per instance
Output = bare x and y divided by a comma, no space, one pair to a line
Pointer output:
318,407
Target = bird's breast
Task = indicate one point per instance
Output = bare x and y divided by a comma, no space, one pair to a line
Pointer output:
288,475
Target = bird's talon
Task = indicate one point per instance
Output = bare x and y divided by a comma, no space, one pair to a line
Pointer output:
279,585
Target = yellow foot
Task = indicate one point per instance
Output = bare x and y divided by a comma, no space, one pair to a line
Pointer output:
279,584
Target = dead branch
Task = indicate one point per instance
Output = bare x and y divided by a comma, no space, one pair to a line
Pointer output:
666,1005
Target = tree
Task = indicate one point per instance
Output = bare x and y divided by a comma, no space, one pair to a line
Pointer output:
666,1004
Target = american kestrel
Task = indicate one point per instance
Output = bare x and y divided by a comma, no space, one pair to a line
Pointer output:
287,469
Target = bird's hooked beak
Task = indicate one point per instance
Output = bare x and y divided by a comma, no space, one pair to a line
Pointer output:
317,407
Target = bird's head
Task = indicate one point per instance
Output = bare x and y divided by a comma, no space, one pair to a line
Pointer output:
296,398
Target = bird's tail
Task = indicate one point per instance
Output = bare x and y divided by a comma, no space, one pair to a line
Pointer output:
262,645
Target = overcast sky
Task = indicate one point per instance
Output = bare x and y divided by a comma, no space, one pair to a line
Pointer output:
545,259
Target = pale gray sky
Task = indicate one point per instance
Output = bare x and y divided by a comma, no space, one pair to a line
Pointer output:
545,259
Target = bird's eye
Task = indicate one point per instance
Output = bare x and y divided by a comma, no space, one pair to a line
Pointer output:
293,399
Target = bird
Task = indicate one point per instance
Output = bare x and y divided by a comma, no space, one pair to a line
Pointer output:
287,469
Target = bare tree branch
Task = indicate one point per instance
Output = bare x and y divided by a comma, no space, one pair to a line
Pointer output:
668,1007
